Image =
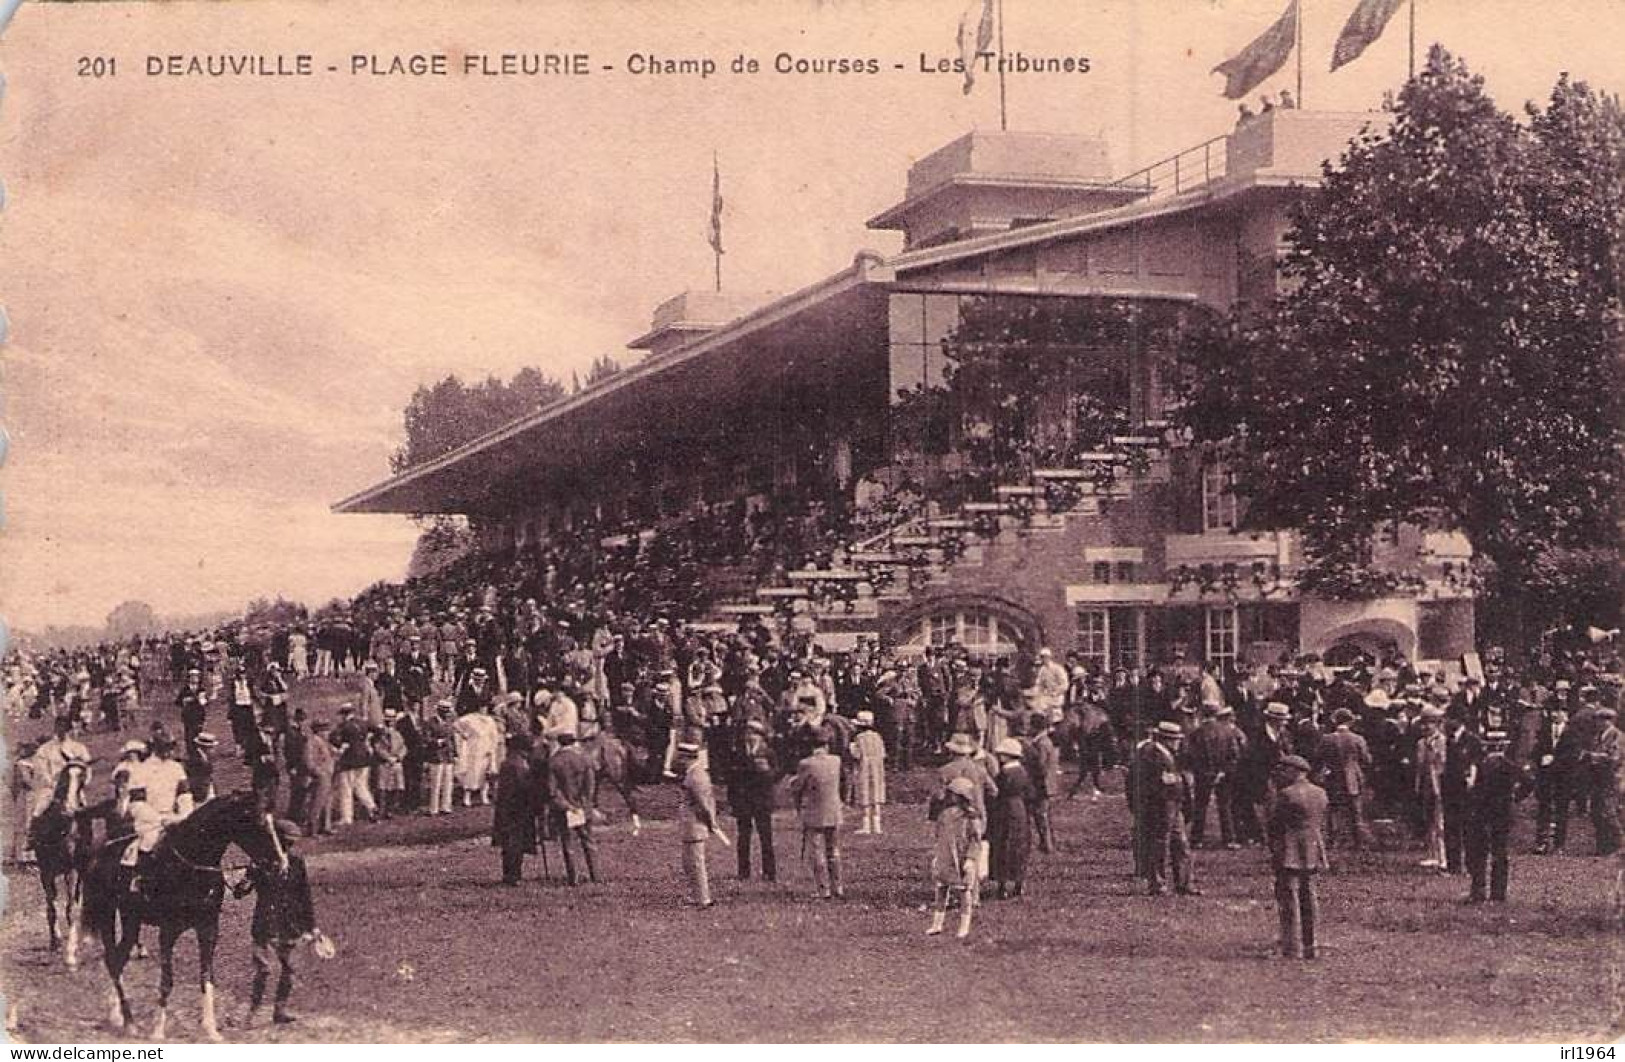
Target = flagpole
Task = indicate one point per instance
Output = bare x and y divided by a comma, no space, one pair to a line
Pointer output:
1297,23
1004,121
1410,69
716,218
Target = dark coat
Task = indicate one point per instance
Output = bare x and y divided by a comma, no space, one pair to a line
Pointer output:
283,911
1462,752
1158,785
513,815
1009,832
1496,786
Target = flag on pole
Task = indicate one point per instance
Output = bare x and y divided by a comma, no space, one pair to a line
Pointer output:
715,238
974,43
1365,25
1253,64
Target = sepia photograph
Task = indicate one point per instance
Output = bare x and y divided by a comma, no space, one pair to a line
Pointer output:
922,522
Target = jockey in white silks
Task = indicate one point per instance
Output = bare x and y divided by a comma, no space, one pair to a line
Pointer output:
156,794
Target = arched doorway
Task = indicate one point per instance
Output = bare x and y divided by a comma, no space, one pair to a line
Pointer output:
1378,638
988,627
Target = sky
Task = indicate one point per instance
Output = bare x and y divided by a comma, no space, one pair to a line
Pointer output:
221,293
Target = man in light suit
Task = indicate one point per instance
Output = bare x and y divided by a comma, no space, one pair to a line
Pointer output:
697,820
1297,853
571,792
1344,759
816,791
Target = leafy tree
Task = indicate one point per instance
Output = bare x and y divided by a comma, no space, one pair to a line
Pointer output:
443,540
603,367
1447,350
448,414
131,618
264,611
1032,383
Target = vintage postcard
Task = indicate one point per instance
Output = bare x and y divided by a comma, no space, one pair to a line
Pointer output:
925,521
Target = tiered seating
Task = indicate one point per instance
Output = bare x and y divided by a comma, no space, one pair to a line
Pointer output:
920,551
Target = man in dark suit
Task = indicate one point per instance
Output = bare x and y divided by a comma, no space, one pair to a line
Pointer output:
1159,797
1554,776
816,791
1344,759
513,816
1497,782
1462,753
1297,853
933,685
1271,744
1216,752
416,669
750,794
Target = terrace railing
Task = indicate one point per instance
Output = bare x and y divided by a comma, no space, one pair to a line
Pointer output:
1190,170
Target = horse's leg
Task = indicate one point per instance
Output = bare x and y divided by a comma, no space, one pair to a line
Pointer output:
115,954
47,882
167,935
208,932
75,909
628,790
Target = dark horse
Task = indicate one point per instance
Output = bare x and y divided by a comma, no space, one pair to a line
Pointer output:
62,836
182,888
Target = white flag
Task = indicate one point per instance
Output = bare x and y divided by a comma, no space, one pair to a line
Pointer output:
973,42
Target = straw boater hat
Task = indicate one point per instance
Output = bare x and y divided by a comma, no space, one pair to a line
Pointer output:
1277,710
865,718
205,740
135,746
1008,748
1170,729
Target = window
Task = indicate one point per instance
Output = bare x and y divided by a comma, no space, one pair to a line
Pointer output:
1124,626
1103,571
1218,499
1093,635
976,630
1221,636
1125,571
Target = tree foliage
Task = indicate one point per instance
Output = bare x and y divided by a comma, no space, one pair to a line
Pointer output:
1447,349
443,540
1032,383
444,416
262,611
603,367
131,618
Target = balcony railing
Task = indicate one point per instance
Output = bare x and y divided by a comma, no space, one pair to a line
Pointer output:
1190,170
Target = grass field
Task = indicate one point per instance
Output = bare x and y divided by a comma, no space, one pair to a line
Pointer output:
432,949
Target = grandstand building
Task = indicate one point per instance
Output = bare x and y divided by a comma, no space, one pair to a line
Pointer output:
1093,529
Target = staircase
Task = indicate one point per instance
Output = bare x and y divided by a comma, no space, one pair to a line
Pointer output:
910,558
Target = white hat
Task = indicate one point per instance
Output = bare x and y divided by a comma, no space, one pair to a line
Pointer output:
1008,747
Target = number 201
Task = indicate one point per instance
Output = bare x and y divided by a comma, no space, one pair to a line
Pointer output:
97,66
